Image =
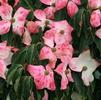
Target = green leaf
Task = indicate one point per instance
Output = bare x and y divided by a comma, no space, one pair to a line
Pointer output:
20,57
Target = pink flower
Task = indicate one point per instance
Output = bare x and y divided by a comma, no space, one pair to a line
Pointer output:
57,4
72,8
85,64
43,77
94,4
41,16
65,74
62,31
33,27
17,21
98,33
27,37
95,19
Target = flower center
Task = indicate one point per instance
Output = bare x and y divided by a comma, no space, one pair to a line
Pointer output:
53,49
66,71
46,72
62,32
46,22
53,4
12,20
84,68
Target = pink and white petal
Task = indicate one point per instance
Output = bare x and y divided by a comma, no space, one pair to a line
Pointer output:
47,2
6,11
69,76
8,59
78,2
95,19
35,70
94,4
46,53
72,8
76,64
4,27
33,27
98,33
2,69
61,68
18,29
48,42
20,19
60,4
40,14
3,1
50,11
64,82
45,97
87,77
27,38
49,38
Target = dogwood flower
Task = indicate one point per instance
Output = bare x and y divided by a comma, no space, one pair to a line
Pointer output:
17,21
43,77
65,74
63,52
41,16
62,32
85,64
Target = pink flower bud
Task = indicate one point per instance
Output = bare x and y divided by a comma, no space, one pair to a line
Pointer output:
72,8
95,19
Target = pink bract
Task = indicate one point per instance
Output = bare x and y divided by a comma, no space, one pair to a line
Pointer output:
95,19
72,9
17,21
65,74
94,4
43,77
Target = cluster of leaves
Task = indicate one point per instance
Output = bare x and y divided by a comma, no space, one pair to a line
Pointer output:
20,85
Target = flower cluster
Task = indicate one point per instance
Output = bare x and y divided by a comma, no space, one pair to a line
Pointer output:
61,55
